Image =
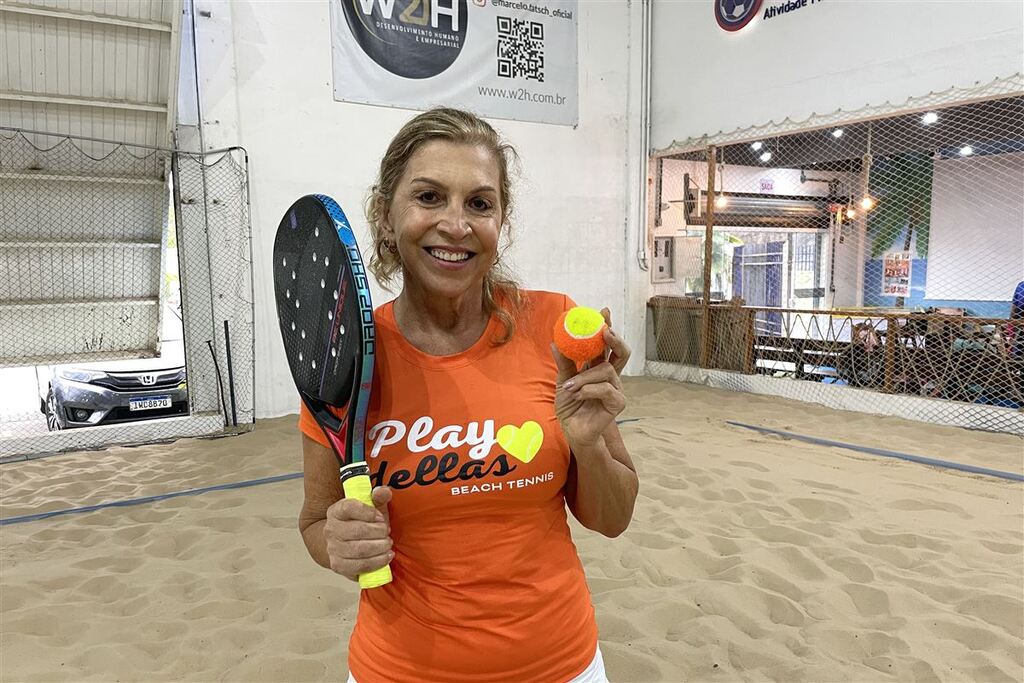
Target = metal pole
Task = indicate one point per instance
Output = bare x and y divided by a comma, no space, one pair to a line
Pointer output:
252,298
861,222
709,232
220,386
231,375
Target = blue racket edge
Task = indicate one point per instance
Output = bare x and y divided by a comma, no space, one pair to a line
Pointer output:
356,438
355,475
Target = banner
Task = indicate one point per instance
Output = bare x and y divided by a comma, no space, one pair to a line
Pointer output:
506,59
896,274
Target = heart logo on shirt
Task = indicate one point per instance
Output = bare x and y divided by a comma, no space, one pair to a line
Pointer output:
521,442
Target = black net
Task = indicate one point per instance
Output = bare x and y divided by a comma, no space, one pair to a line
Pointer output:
106,250
880,254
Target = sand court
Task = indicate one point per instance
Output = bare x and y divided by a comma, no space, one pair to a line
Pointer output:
816,203
750,557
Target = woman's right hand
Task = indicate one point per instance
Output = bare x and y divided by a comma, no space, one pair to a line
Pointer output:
357,535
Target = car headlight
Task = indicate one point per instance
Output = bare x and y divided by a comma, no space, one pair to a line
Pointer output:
80,375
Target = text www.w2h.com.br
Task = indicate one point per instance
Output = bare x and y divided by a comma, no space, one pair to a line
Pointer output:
521,94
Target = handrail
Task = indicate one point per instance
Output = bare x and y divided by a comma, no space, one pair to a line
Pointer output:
737,344
941,317
666,302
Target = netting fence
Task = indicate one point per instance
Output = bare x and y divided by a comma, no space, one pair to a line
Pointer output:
879,255
126,307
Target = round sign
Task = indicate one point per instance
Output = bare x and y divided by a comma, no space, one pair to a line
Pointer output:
409,38
732,15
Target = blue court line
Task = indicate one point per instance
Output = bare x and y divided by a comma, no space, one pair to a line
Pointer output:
190,492
149,499
973,469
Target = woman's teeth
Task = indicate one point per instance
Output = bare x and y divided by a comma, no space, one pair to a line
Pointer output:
454,256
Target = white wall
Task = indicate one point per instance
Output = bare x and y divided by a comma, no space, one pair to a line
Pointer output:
835,54
976,239
265,83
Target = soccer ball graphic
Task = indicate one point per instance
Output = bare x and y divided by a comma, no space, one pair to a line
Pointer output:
732,15
733,10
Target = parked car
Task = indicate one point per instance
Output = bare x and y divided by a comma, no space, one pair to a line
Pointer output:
86,395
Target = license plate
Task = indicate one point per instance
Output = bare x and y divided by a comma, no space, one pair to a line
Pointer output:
149,403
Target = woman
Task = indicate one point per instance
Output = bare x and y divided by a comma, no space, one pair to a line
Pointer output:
474,452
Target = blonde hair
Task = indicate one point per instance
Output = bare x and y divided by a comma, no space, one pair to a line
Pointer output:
501,292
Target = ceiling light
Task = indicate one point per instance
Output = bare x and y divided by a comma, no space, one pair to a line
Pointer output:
757,146
850,213
867,203
766,157
966,151
929,118
837,133
721,201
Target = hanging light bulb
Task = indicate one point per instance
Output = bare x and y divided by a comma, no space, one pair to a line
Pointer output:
721,201
867,203
757,146
766,157
850,213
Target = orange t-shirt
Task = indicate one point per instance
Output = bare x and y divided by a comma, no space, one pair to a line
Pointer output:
487,582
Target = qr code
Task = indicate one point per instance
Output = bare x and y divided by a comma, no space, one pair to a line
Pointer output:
520,49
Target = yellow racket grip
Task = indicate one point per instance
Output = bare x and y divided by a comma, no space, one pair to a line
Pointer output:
355,480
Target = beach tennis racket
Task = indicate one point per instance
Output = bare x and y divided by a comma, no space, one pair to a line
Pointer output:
326,319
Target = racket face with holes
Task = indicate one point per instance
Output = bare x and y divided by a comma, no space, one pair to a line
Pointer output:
326,318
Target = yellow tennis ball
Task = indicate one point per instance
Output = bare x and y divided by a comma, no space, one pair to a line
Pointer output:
579,333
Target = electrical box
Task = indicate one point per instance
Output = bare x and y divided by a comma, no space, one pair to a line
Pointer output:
662,270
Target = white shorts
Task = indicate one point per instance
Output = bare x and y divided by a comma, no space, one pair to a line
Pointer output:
594,673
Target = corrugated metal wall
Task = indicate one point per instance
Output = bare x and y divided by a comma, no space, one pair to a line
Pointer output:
104,69
81,221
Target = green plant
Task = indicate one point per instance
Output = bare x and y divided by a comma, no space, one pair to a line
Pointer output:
721,263
902,186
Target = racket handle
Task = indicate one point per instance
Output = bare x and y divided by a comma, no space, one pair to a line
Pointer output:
355,480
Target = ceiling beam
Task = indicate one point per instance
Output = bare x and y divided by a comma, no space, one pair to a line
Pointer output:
76,178
103,103
87,17
173,76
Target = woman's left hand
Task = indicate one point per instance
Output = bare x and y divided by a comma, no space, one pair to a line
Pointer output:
588,400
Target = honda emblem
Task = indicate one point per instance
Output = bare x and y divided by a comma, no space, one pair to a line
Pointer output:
148,379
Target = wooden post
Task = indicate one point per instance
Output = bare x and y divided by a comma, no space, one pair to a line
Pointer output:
889,359
750,359
709,222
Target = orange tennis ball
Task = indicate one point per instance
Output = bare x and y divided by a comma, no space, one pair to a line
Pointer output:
579,333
